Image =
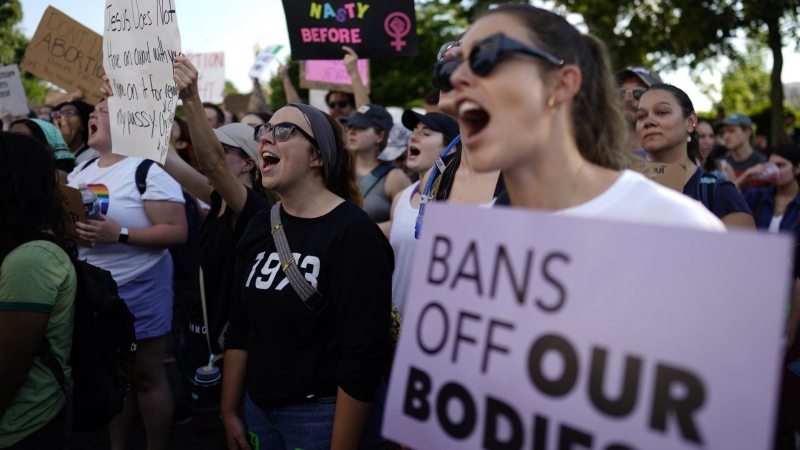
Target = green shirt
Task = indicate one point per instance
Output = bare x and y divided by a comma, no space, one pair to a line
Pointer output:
38,276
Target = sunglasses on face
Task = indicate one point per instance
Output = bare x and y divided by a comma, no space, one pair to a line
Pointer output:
67,113
444,49
342,104
484,57
281,132
636,93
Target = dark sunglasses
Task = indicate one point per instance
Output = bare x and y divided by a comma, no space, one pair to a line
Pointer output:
67,113
636,93
281,132
484,57
236,150
341,104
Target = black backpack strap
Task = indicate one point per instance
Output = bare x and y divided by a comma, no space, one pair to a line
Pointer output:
49,360
707,189
369,181
141,175
88,163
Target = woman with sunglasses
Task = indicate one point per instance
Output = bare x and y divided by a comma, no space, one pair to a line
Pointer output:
560,142
667,127
308,379
72,118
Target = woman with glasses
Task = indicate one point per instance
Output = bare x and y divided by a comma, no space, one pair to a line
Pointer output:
560,142
131,241
307,377
72,118
668,130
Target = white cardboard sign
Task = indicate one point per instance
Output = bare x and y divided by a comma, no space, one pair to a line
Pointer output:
263,59
531,331
140,42
12,93
210,75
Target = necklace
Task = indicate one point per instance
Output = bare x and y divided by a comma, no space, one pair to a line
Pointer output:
575,184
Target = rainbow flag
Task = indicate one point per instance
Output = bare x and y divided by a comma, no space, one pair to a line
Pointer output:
102,194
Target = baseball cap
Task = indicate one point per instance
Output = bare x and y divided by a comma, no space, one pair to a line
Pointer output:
435,121
397,143
737,119
371,115
648,76
238,135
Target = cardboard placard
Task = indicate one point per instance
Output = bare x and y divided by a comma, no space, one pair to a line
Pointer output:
670,175
210,75
139,49
264,59
331,75
318,29
73,213
12,93
591,334
67,54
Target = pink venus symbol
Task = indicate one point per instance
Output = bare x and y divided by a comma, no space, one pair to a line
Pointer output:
397,25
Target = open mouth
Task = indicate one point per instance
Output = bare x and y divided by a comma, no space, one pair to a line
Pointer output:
92,128
413,151
473,119
270,159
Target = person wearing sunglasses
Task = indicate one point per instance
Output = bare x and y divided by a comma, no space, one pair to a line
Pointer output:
560,142
72,118
633,82
308,378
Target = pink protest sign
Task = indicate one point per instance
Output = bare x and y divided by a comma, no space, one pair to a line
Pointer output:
331,75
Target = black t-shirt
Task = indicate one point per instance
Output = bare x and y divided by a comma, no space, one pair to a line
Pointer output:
292,352
216,254
727,199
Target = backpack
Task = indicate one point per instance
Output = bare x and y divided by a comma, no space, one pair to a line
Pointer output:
707,189
103,349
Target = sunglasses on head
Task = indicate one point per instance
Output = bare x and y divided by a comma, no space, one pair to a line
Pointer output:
636,93
484,57
281,132
341,104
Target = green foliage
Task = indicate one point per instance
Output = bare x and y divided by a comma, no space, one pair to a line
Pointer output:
230,88
12,47
277,96
746,83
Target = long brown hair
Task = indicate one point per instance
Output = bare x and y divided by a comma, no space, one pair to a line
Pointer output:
342,181
597,122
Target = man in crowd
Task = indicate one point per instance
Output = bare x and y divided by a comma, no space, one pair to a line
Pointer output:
736,131
632,84
216,118
340,104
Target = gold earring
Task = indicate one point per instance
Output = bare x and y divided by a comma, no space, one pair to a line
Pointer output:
552,105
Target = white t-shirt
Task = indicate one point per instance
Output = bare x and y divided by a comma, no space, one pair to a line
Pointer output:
775,224
634,198
404,243
120,200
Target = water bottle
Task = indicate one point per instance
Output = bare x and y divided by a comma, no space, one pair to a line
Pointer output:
770,173
91,204
206,398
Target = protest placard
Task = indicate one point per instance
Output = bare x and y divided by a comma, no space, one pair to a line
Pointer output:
67,54
263,59
210,75
534,331
140,42
318,30
12,93
670,175
331,75
73,213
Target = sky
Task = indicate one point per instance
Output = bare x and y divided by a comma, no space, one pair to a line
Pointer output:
236,26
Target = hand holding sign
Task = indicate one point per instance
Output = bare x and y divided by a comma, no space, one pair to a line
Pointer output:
185,77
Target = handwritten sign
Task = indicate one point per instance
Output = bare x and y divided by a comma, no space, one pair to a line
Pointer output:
210,75
331,75
73,213
373,28
264,59
67,54
670,175
140,41
12,93
587,334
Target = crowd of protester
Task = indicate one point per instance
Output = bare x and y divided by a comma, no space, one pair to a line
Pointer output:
319,212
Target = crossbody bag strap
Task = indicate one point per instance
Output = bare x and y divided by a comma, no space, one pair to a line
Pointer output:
372,178
307,293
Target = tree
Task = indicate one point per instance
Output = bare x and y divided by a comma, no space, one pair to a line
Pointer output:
669,33
230,88
12,47
746,82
